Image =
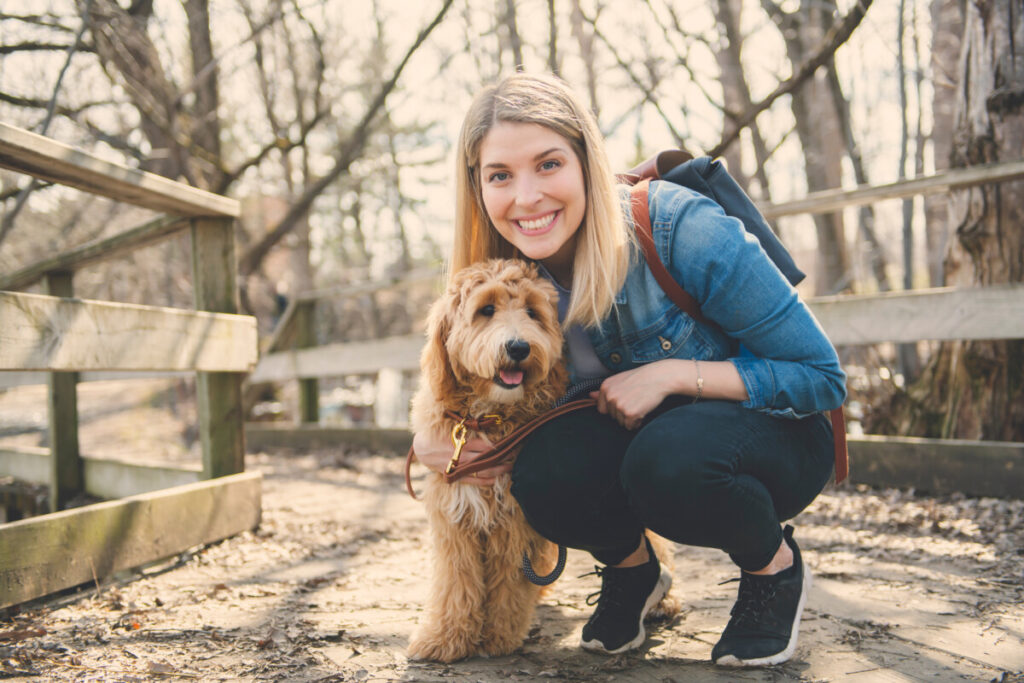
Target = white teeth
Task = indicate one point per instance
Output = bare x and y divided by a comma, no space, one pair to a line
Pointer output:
536,224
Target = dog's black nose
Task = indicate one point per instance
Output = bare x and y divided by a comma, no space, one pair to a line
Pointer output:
517,349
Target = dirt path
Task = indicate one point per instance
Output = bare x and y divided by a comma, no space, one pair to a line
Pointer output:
329,588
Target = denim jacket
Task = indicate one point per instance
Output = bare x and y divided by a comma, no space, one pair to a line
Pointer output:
759,323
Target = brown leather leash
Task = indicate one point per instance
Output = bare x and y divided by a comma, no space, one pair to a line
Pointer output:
503,450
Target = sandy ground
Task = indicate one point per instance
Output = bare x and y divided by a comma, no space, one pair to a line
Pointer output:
329,588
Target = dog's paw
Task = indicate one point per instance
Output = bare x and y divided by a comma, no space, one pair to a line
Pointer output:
667,608
444,649
497,647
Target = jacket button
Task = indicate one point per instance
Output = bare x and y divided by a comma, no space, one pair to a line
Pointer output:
665,344
615,358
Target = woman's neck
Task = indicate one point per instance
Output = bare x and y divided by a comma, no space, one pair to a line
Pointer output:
560,264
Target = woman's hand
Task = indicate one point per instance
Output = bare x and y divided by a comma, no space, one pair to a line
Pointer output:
628,396
435,452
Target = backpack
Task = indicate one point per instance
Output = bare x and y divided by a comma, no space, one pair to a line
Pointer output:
711,179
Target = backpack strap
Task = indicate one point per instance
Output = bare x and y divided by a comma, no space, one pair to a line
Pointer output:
681,298
642,221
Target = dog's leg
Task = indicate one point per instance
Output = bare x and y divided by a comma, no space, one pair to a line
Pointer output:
668,606
451,626
510,597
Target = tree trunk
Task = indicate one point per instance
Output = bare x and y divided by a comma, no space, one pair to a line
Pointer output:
947,30
817,127
975,389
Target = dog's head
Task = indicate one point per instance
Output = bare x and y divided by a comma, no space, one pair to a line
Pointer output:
494,335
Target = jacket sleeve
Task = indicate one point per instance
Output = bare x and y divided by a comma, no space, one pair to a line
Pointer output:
787,363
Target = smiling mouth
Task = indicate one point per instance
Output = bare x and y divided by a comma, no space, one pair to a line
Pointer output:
509,378
537,224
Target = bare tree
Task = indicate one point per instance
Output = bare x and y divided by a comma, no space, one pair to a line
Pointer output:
947,31
973,390
817,125
736,97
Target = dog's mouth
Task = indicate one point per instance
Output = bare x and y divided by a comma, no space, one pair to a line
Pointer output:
509,378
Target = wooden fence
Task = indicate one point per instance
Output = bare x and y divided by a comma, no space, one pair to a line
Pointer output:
942,314
160,511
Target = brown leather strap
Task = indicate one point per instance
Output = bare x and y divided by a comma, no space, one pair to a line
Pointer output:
642,220
410,456
502,450
842,456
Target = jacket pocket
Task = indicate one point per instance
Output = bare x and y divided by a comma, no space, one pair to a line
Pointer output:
674,336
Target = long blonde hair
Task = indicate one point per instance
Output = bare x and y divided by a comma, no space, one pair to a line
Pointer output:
602,247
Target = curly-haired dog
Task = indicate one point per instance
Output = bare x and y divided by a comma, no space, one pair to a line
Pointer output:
494,347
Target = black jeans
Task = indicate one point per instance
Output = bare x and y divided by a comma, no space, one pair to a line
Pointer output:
710,474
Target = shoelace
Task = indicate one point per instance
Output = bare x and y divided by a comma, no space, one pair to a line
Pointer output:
752,600
609,592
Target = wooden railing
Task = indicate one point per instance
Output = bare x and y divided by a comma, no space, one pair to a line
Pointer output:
161,511
936,465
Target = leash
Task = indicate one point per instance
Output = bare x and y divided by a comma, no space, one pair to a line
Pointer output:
502,451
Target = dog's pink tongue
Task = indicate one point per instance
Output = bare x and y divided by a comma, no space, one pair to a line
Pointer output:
511,377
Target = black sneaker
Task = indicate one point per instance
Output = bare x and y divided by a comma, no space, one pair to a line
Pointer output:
766,617
625,598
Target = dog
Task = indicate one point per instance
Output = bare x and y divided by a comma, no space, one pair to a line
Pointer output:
494,347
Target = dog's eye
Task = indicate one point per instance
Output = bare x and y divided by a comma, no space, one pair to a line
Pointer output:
532,313
487,310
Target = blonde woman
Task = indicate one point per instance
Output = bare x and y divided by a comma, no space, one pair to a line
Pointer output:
709,433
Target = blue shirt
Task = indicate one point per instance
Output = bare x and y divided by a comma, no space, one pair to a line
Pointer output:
758,321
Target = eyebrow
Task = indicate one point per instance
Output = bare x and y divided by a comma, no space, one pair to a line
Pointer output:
538,157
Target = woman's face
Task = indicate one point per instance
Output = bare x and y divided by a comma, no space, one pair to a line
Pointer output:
533,192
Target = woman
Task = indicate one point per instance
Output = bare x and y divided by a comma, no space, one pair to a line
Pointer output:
709,433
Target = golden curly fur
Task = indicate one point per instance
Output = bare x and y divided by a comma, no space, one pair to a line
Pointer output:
480,602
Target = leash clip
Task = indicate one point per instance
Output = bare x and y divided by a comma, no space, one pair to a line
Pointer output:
458,440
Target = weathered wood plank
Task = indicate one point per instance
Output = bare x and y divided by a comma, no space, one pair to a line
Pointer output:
263,435
48,159
218,394
39,332
947,313
96,251
66,477
45,554
332,360
102,477
10,378
939,466
827,201
309,389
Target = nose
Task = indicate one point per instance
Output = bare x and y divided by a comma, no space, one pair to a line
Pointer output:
528,192
517,349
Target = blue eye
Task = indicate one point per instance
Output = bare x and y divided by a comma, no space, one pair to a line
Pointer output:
550,164
498,177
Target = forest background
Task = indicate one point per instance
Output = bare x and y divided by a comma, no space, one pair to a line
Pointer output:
334,121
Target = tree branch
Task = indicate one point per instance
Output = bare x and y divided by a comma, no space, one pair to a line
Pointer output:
836,36
348,153
33,46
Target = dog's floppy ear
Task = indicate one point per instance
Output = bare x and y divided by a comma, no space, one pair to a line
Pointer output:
435,367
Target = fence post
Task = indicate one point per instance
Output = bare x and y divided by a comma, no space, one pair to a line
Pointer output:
66,474
305,337
218,394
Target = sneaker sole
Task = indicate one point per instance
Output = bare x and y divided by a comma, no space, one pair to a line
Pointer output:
660,589
779,657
